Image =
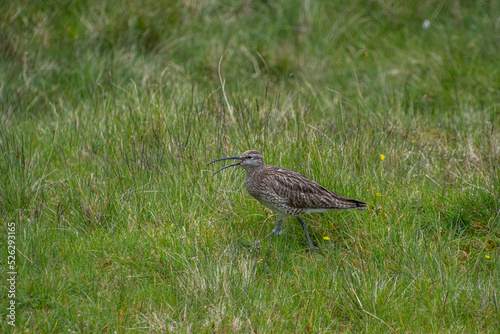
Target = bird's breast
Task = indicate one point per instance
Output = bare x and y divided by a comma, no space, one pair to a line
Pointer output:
270,199
255,190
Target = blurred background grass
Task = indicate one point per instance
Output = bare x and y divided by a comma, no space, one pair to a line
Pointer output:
110,112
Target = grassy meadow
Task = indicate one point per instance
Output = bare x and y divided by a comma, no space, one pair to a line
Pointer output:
110,112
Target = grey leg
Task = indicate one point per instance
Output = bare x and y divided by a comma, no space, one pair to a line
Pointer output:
273,232
304,226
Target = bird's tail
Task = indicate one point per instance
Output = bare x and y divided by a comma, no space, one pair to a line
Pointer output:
359,205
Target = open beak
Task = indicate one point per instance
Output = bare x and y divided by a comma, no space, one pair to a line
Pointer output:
231,165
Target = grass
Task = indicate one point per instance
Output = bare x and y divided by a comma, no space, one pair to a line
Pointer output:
110,113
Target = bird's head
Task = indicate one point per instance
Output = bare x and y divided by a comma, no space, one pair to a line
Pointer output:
248,160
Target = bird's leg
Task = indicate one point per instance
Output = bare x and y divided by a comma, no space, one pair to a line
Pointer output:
304,226
273,232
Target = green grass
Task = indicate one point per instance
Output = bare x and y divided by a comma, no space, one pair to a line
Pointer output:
110,112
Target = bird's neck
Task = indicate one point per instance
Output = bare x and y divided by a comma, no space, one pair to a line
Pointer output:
254,171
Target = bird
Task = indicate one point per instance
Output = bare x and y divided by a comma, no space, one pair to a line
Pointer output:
286,192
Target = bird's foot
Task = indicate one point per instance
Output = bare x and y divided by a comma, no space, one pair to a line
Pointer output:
249,244
280,232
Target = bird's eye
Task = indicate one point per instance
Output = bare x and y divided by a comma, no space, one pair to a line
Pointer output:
249,157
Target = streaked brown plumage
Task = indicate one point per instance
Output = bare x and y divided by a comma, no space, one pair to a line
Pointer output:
286,192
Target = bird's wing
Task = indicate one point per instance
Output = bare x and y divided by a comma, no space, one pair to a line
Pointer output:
304,193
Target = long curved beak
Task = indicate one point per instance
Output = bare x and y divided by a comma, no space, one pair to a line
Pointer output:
231,165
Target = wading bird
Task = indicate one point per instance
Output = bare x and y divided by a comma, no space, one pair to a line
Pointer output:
286,192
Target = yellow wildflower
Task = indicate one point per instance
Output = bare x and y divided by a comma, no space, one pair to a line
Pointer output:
326,238
382,157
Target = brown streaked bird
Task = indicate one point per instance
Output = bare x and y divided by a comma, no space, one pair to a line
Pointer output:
287,192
